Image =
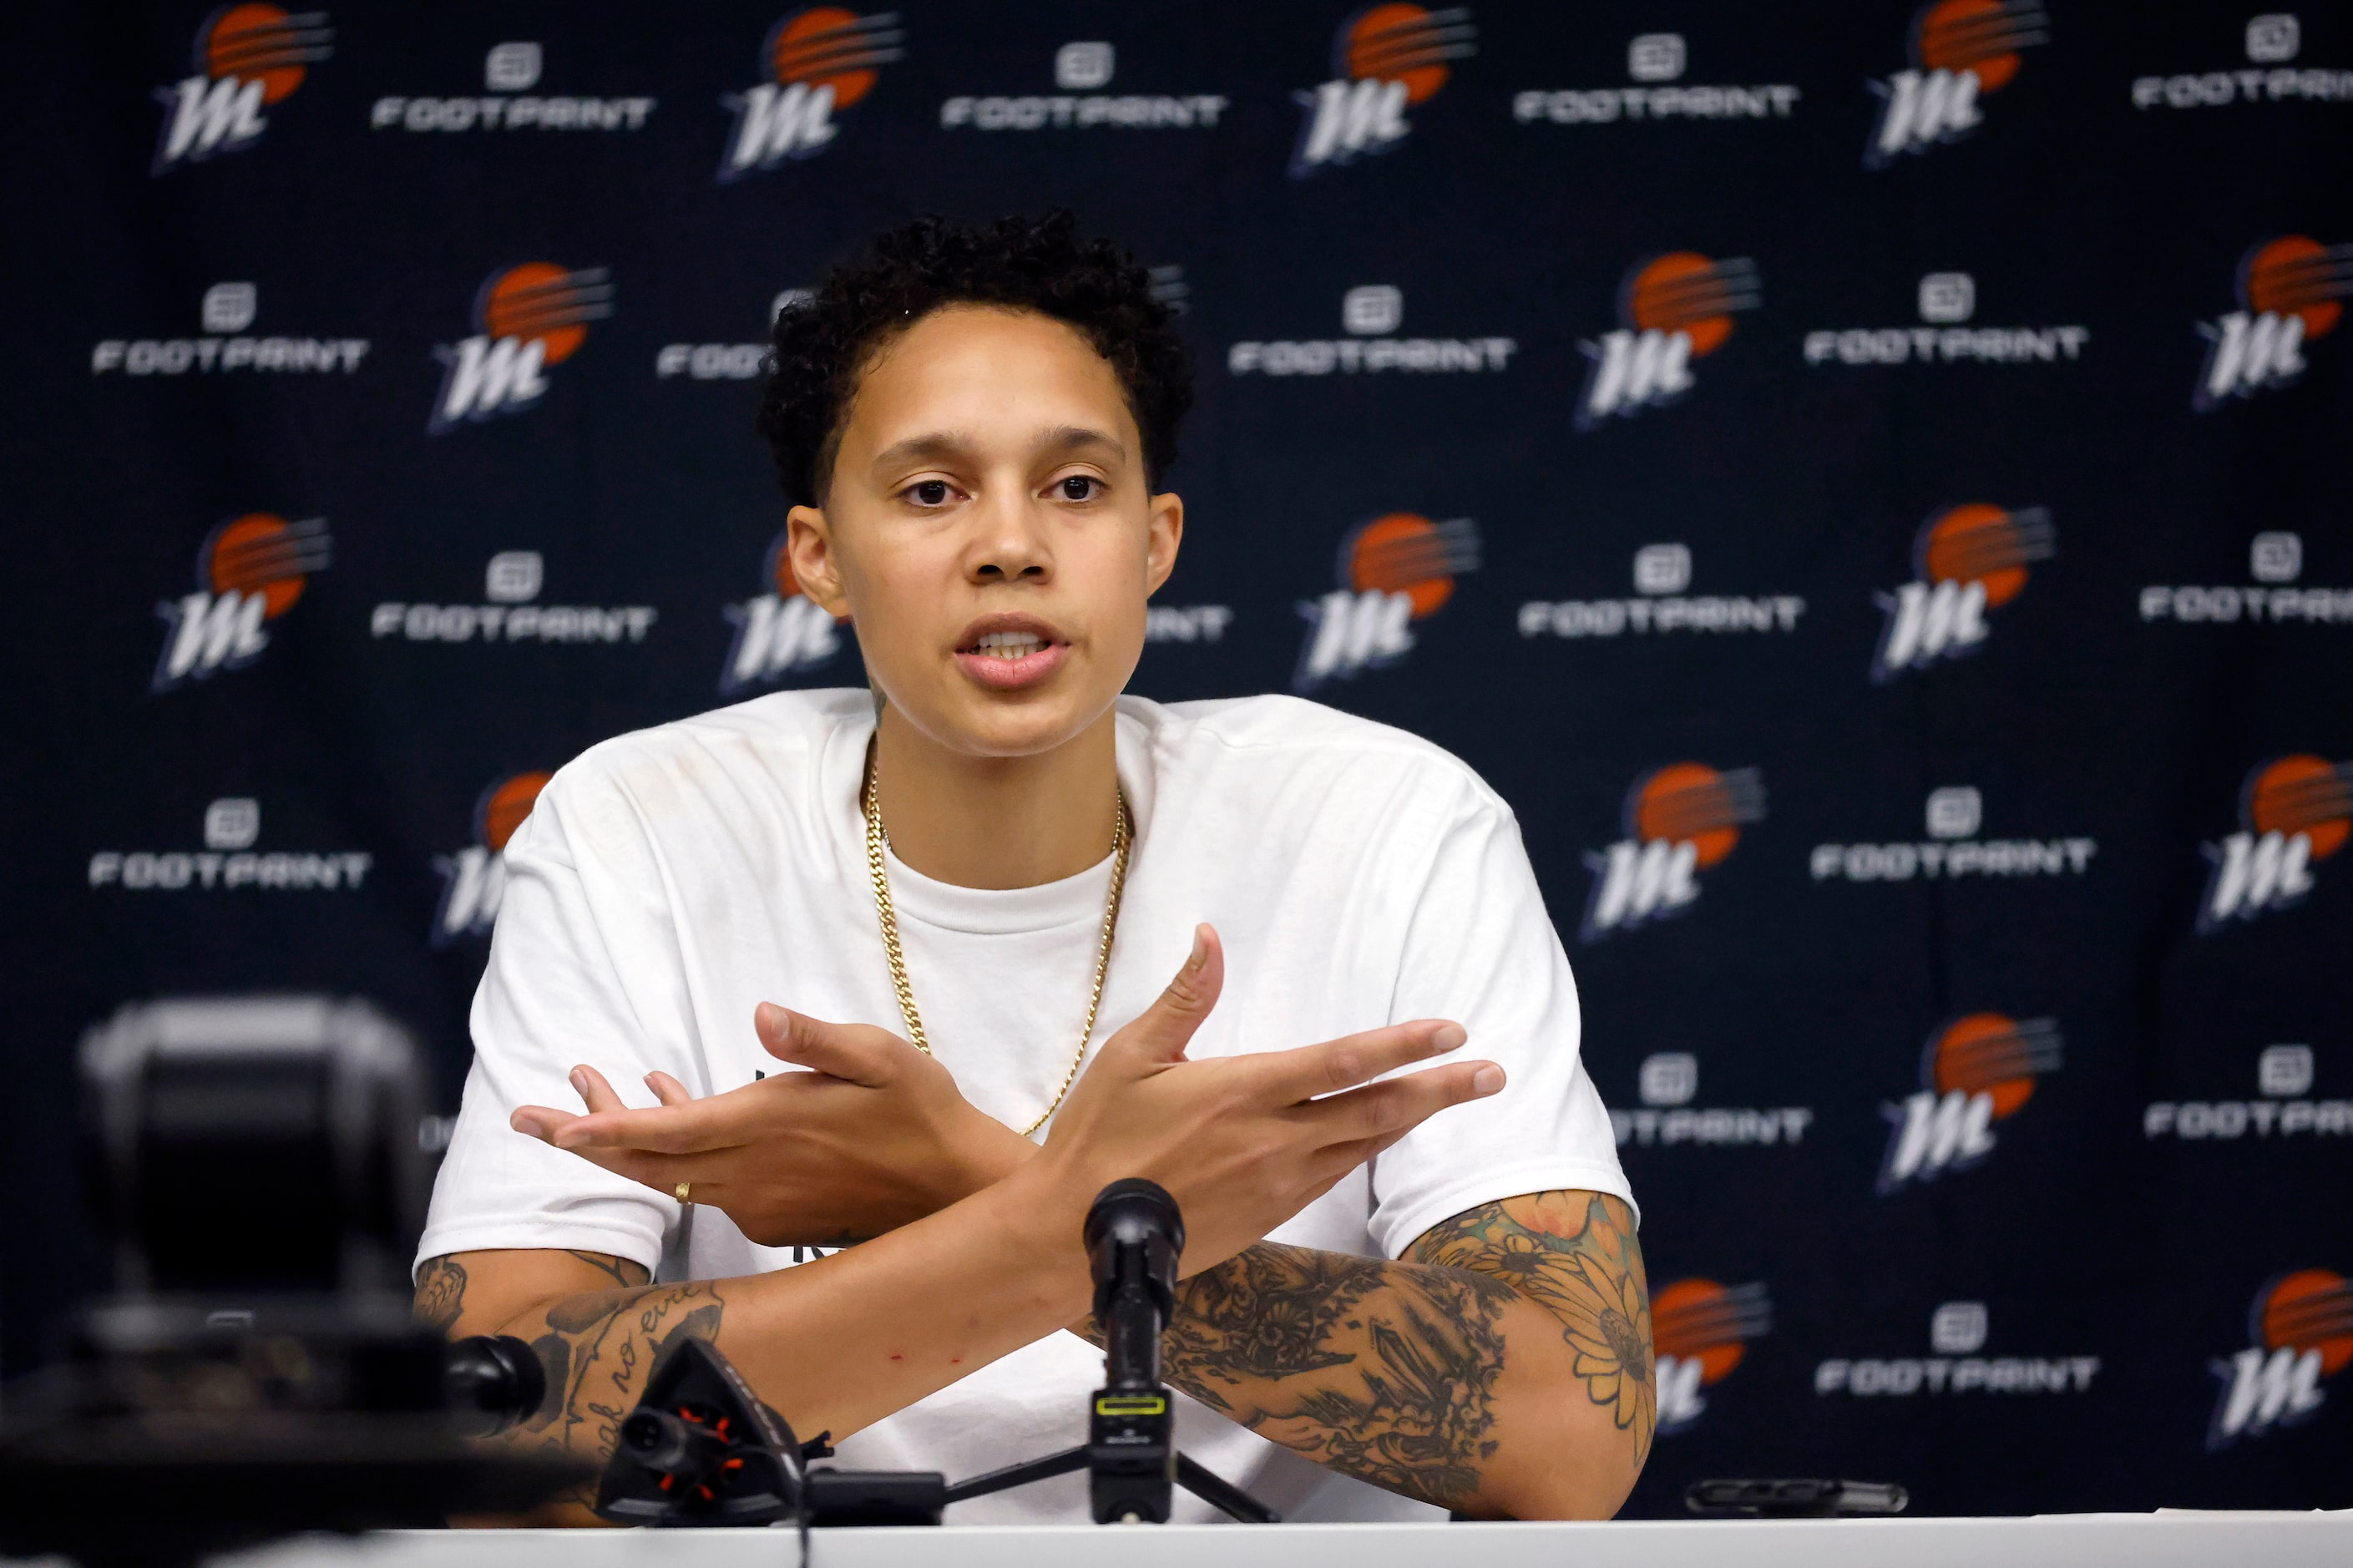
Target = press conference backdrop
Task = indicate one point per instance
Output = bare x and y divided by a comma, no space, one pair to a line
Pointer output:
1870,487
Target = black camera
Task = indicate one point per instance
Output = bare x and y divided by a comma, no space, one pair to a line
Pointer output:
255,1162
255,1371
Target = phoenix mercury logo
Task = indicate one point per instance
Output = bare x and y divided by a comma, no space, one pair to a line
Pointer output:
2292,811
1967,560
816,62
1671,309
1680,820
474,879
2290,291
2302,1328
1385,60
1961,50
1976,1070
246,59
1702,1332
1394,571
249,571
777,632
526,319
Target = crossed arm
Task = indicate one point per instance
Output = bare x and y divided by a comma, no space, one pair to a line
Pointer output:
1503,1369
838,1343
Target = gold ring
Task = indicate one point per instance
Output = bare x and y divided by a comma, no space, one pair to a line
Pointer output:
683,1187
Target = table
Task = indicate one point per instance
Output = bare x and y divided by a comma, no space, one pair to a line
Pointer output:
2062,1541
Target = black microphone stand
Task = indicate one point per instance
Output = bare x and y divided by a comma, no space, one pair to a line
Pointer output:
1134,1236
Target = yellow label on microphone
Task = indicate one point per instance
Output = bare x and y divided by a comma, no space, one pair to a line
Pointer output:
1130,1404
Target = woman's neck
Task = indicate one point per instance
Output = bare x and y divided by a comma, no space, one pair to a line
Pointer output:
996,821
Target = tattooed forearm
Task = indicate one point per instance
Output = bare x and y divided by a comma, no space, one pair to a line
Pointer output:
1267,1314
596,1348
440,1293
1397,1373
1382,1371
1414,1409
1574,1254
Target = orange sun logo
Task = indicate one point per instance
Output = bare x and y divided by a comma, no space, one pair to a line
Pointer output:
1993,1055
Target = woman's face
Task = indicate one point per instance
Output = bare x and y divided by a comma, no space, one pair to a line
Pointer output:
989,531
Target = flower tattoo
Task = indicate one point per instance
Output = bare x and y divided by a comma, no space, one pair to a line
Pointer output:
1573,1254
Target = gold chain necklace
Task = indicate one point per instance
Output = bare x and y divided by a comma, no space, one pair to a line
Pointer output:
878,839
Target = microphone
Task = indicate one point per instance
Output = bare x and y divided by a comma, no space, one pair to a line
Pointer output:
493,1381
1134,1235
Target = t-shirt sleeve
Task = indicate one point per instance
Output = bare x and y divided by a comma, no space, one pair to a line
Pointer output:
584,967
1478,949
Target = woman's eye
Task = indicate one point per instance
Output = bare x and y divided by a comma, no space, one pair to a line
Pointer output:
929,492
1079,486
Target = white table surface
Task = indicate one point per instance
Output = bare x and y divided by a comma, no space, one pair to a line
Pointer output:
2067,1541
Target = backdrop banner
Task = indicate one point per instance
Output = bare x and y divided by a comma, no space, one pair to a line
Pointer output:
1872,513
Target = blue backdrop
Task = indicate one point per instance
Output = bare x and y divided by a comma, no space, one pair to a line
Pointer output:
1869,486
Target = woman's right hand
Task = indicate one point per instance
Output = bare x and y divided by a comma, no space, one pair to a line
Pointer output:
1245,1143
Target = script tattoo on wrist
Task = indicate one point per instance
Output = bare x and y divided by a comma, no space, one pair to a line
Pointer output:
1382,1371
598,1351
1574,1254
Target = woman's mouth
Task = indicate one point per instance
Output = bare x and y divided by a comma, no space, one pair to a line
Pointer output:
1010,645
1008,660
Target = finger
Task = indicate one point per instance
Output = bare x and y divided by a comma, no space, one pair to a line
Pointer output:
544,1124
667,1090
592,1087
699,1126
1388,1110
540,1120
1352,1059
661,1170
1161,1032
632,1164
858,1053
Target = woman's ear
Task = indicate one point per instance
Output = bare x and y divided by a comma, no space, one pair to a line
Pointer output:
808,549
1166,531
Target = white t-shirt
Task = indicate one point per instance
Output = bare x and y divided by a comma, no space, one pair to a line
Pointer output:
667,881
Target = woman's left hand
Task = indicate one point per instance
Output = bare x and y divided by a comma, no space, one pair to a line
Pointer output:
875,1135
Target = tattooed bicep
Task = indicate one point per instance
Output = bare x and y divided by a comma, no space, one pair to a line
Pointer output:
1547,1247
1563,1221
1574,1254
474,1292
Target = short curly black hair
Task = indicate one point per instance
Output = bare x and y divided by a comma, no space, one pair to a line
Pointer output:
821,346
